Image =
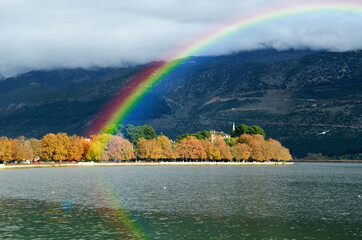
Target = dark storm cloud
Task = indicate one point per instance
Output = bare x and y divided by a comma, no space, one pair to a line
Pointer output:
43,34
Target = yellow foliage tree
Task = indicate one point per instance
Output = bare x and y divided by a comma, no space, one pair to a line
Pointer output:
148,149
164,143
96,147
36,146
224,149
5,149
212,152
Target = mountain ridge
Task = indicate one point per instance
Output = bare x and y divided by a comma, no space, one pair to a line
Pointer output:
293,95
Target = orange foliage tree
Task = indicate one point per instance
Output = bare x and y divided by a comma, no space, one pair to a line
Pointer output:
21,149
212,152
75,148
241,151
190,148
148,149
257,148
276,151
245,138
5,149
54,147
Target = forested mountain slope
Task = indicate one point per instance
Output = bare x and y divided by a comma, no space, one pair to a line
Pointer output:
310,101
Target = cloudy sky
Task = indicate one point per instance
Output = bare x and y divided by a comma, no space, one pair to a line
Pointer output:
46,34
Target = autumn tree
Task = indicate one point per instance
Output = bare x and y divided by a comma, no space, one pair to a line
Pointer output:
75,148
240,151
245,138
148,149
164,143
5,149
54,147
97,147
258,148
118,148
21,149
190,148
223,148
36,146
212,152
285,154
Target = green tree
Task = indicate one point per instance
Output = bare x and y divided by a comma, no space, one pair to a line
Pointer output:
230,141
182,136
133,133
243,129
254,130
202,135
147,132
240,130
111,129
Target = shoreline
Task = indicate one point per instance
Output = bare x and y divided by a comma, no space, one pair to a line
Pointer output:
93,164
339,161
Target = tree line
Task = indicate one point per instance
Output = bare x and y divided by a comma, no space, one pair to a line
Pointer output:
129,143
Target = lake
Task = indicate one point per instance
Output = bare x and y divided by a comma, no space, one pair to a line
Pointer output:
300,201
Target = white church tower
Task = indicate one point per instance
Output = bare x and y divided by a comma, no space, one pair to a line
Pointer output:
233,126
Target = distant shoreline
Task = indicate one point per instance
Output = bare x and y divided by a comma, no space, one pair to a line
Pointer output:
93,164
345,161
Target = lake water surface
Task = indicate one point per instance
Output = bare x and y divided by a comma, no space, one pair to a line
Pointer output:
300,201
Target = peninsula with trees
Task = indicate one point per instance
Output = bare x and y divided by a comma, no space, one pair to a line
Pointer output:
119,143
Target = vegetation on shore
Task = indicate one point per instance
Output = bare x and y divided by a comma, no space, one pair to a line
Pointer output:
128,143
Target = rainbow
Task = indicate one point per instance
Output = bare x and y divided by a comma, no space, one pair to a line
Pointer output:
121,105
116,214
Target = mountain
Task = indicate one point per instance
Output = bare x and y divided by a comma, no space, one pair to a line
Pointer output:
310,101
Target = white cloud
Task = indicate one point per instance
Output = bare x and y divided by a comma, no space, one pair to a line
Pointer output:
43,34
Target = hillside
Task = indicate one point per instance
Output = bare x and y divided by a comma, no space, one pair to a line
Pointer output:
294,95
